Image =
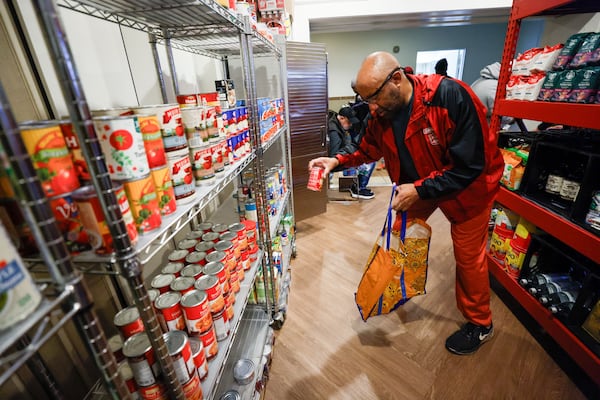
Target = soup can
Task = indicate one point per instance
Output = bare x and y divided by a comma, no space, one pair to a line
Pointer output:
192,271
194,235
19,296
144,204
199,357
162,283
50,157
123,147
81,167
194,123
180,351
155,149
206,247
181,175
172,268
192,389
221,325
202,164
178,255
210,237
196,257
210,284
218,269
209,341
187,244
128,322
169,117
217,157
156,391
196,310
66,215
183,284
205,226
140,358
168,304
229,303
186,101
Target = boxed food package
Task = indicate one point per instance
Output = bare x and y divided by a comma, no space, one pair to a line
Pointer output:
569,50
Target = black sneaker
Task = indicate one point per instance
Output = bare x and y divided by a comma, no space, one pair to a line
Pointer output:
468,339
362,194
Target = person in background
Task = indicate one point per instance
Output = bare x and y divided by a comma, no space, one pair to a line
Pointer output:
441,67
434,137
345,132
485,88
408,70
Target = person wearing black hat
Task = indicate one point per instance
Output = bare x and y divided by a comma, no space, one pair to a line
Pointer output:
441,67
345,131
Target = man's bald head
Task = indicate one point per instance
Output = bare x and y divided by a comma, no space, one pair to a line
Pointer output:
373,70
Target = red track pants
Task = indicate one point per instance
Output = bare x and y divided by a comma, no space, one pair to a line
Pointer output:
472,280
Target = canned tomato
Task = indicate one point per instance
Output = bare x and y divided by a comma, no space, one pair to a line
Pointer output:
187,244
115,345
253,254
19,296
192,271
209,341
144,204
245,260
187,100
157,391
81,167
199,357
180,351
217,157
196,310
234,280
224,149
192,389
196,257
127,375
194,123
206,247
162,283
123,202
172,268
183,284
240,230
210,284
178,255
202,164
123,147
50,156
169,117
66,215
155,149
140,357
181,175
168,305
218,269
128,322
221,325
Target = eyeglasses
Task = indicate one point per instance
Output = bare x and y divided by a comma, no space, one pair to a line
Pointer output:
370,98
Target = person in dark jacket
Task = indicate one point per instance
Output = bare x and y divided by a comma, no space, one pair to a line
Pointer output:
345,131
433,134
441,67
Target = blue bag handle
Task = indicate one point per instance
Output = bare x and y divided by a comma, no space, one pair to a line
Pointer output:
387,225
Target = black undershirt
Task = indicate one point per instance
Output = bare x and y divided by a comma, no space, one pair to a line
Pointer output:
408,171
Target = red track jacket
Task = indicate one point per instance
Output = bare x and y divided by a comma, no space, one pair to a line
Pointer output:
454,153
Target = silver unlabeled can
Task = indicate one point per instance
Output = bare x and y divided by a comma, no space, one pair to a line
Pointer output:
18,294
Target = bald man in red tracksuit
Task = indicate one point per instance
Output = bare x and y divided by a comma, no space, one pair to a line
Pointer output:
438,148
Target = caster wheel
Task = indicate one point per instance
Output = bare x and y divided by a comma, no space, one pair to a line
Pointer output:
278,320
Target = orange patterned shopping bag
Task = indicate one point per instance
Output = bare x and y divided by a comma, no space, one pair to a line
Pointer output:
396,269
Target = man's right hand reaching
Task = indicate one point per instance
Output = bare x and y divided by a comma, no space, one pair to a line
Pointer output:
327,163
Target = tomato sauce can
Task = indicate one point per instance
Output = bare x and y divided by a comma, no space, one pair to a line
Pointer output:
202,165
172,268
199,357
183,284
210,284
233,238
162,283
127,375
169,117
196,257
144,204
128,322
234,280
181,175
240,230
19,296
123,147
217,157
66,215
168,305
209,341
155,149
81,167
196,310
226,247
192,271
157,391
164,190
221,325
218,269
194,123
246,260
206,247
153,295
187,100
50,156
180,351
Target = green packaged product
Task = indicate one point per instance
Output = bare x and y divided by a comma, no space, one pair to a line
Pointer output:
585,86
549,86
588,54
566,81
568,52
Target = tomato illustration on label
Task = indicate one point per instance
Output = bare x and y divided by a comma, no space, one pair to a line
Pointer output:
121,139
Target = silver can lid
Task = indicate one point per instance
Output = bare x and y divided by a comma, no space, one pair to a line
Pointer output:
237,227
136,345
210,236
162,280
182,283
153,294
176,255
243,371
216,256
187,243
228,236
206,282
230,395
196,346
193,298
172,267
205,226
195,257
204,246
220,228
167,300
191,270
175,341
223,245
213,268
194,235
126,316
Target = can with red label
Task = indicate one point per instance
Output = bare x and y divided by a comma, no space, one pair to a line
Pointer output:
192,271
196,257
206,247
181,175
210,284
194,123
172,268
168,305
221,325
178,255
205,226
66,215
240,230
169,117
187,244
187,100
210,237
217,157
194,235
199,357
192,389
229,303
155,149
196,310
209,341
50,157
246,260
180,351
140,357
183,284
128,322
218,269
144,204
315,179
157,391
127,375
164,190
81,167
202,165
153,295
162,283
123,147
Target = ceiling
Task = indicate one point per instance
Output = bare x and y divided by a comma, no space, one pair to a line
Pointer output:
408,20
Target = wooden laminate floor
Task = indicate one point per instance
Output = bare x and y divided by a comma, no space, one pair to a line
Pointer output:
325,351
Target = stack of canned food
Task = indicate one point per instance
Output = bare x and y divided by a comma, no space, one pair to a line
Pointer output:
193,297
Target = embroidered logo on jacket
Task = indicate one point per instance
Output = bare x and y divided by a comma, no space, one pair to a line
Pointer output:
430,135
